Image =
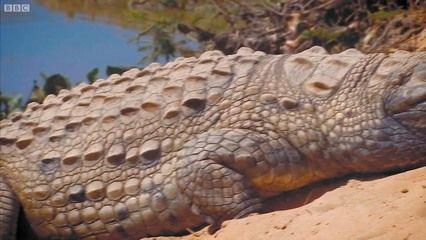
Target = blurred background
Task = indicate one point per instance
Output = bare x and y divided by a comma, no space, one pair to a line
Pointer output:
60,43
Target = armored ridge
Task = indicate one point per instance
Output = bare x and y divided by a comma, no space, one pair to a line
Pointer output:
196,141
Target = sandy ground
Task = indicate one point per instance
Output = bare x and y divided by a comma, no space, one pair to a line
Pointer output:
374,207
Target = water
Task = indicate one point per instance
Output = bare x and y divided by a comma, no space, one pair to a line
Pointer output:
42,41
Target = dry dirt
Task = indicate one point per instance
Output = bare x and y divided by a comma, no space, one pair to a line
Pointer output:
374,207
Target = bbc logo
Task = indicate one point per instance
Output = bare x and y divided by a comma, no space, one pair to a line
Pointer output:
16,8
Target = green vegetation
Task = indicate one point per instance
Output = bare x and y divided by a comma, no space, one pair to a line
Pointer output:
9,105
55,83
116,70
384,15
162,44
321,33
92,75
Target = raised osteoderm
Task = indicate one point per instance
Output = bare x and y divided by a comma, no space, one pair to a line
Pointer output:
200,140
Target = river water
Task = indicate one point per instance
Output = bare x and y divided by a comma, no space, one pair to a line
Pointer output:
46,41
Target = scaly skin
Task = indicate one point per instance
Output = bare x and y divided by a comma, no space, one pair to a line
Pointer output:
198,141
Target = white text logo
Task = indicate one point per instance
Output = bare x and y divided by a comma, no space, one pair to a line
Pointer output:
16,8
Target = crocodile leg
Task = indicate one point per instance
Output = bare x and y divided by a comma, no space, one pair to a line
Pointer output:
223,172
9,211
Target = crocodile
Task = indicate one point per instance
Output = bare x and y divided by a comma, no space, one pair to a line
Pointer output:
196,141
